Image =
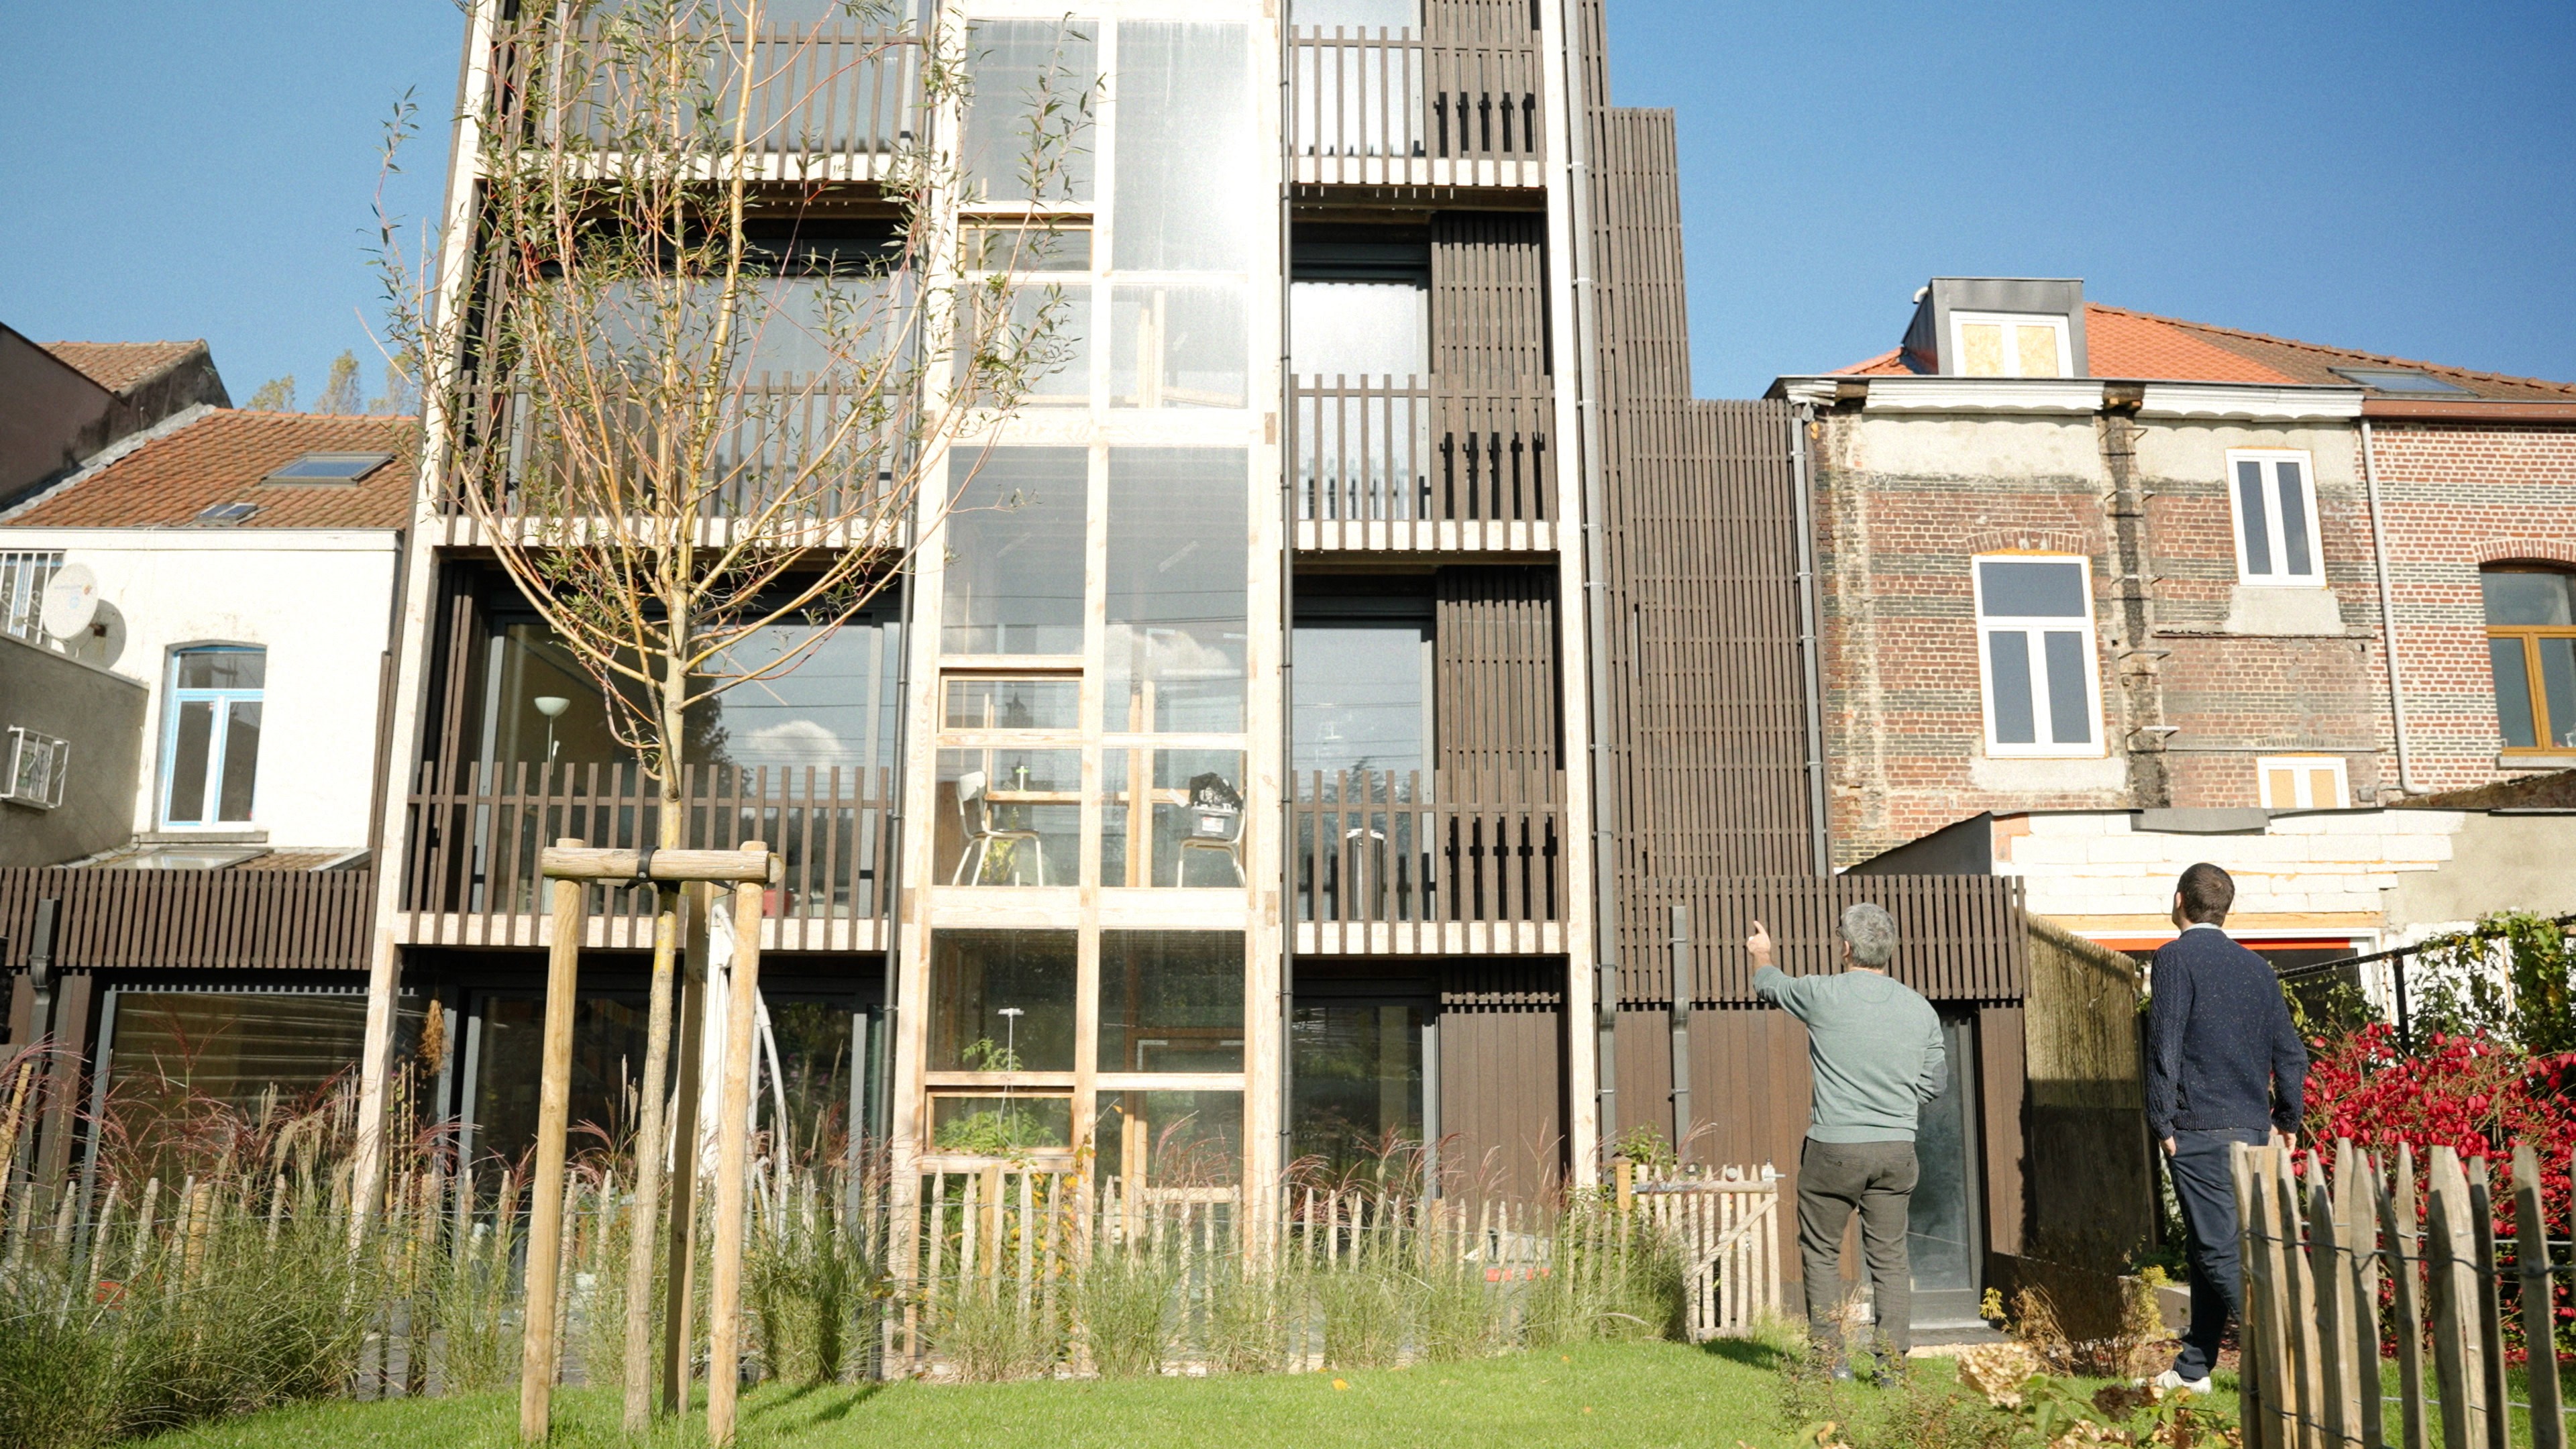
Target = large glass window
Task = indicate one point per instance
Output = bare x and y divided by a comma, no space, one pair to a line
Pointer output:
609,1037
1178,345
1363,696
1044,321
1030,79
1171,1001
1178,586
2275,503
1015,552
1362,14
2035,628
1172,1139
1188,179
1359,330
1356,1077
1009,817
2531,646
1001,1001
1188,831
210,735
174,1057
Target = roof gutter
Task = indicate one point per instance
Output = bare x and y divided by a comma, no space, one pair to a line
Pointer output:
2428,410
2387,613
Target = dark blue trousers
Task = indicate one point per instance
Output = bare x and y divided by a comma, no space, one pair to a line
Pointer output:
2206,1191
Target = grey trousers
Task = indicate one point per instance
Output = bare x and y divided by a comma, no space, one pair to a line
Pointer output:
1877,1178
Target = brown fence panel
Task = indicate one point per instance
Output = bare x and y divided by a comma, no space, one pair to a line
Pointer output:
1394,94
1374,846
1959,938
173,919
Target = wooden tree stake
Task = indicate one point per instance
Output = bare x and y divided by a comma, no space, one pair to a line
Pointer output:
733,1131
537,1346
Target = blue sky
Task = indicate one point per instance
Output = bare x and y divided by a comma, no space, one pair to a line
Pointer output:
2397,178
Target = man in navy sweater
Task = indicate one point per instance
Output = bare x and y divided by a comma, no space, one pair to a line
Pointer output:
2224,1065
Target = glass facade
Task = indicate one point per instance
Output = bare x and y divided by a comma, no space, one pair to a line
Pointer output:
1356,1073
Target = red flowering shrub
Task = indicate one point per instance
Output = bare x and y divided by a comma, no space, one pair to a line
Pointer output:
2467,1092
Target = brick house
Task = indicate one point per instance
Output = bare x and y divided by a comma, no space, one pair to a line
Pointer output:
2078,559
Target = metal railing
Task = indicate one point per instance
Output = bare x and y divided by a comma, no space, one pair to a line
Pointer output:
474,831
1419,449
1375,846
1395,94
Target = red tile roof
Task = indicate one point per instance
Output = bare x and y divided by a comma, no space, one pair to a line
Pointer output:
221,458
117,366
2140,346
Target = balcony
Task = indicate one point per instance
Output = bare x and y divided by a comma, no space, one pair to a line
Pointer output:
470,853
1458,863
831,100
783,436
1392,108
1417,463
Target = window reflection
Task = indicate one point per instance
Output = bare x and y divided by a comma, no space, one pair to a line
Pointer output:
1013,704
1187,198
1355,1073
1022,73
1178,590
1172,1139
1359,329
1362,697
176,1056
1000,1125
1171,1001
608,1041
1178,346
1015,552
1001,1001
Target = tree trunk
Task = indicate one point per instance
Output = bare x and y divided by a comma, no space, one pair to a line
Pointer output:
646,1219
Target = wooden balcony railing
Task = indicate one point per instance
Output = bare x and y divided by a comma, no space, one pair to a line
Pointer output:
1396,99
829,91
779,433
1374,846
470,851
305,920
1422,450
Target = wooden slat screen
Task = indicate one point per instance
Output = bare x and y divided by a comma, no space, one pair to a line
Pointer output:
215,919
1468,90
1959,937
1495,689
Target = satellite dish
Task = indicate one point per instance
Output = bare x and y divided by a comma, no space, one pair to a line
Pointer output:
71,601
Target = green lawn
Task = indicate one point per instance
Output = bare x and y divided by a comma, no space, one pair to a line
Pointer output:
1600,1397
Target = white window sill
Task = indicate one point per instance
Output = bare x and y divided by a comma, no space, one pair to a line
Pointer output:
2536,762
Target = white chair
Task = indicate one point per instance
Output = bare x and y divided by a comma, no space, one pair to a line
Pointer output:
975,821
1216,824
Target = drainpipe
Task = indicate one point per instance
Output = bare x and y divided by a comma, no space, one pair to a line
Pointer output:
1819,831
2387,616
1288,617
1605,799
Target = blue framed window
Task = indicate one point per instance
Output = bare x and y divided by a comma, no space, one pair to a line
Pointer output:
210,735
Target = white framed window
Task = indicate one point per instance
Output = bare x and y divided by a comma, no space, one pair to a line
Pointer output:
2035,655
2273,495
32,768
210,735
2302,782
2010,344
23,576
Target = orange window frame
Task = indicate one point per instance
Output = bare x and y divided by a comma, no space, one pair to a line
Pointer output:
2529,636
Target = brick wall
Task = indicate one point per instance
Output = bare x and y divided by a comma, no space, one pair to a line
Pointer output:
1904,503
2458,496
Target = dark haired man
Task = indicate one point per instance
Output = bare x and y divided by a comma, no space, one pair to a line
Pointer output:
2224,1065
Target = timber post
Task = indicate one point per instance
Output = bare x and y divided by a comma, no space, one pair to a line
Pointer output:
573,868
733,1132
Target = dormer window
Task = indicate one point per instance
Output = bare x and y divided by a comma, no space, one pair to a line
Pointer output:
2010,344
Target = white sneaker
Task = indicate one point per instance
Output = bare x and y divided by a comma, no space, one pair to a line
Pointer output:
2169,1381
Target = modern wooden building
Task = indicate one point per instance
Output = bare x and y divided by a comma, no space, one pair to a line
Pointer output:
1354,714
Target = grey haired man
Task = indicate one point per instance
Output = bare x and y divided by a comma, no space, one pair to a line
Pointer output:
1874,1045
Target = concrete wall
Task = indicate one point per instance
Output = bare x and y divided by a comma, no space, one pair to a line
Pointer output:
2508,862
319,601
101,715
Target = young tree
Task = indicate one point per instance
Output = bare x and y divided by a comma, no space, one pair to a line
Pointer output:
340,389
277,395
680,407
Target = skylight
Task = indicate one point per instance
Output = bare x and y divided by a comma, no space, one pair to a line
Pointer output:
329,468
227,513
2394,379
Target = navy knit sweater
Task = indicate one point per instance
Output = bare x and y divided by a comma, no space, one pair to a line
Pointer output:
2221,1051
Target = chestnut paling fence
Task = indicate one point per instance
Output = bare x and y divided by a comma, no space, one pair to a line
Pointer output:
1016,1269
2344,1267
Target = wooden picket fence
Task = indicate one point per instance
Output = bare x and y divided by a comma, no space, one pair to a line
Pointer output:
1025,1234
2318,1250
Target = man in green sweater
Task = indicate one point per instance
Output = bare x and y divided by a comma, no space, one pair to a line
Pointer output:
1874,1047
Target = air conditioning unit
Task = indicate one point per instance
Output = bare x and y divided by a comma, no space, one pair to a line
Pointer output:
35,766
